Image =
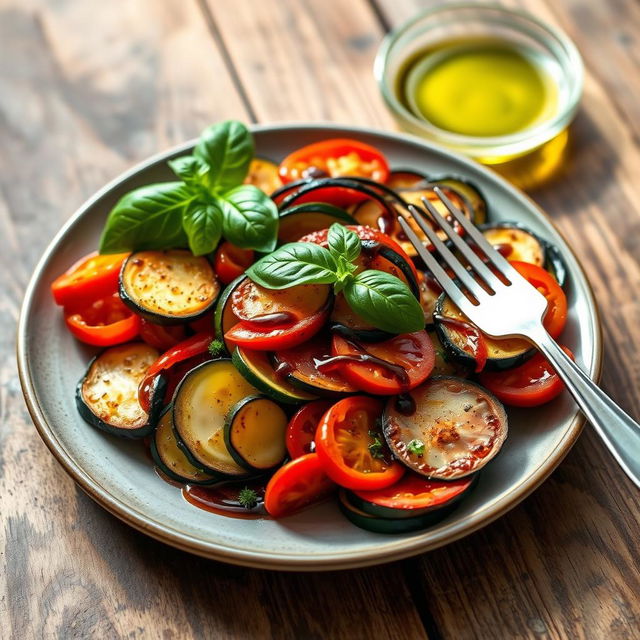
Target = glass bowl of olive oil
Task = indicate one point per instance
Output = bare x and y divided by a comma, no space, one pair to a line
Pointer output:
484,80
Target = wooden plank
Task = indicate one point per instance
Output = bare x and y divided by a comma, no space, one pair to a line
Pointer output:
86,90
306,60
565,563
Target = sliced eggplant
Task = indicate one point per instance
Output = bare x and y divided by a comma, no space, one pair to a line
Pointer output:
254,433
257,369
405,179
224,318
555,263
503,353
377,524
107,395
349,324
430,291
200,406
447,428
264,174
443,366
411,496
301,219
168,287
470,192
169,458
300,367
515,242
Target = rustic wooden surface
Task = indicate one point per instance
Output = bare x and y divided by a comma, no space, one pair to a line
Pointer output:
87,88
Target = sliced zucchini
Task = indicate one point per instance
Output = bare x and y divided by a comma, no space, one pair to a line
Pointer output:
555,263
301,219
107,395
470,192
299,366
503,353
168,287
387,525
254,433
405,179
169,458
515,242
257,369
443,366
264,174
224,318
200,406
446,428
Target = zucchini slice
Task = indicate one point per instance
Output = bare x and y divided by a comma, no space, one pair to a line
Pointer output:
224,318
257,369
301,219
447,428
502,353
555,263
469,192
443,366
200,406
107,395
377,524
169,458
405,179
168,287
254,433
515,242
264,174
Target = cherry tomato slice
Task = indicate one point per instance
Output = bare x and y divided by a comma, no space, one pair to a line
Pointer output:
410,358
103,322
301,430
295,485
92,277
556,317
531,384
352,449
231,262
159,336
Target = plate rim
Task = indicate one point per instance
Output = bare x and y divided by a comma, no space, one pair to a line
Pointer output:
285,560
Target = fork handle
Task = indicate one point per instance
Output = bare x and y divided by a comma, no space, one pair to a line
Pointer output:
619,431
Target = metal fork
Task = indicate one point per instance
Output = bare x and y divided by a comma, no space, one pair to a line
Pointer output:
508,306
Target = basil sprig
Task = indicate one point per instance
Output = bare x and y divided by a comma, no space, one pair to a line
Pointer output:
208,202
380,298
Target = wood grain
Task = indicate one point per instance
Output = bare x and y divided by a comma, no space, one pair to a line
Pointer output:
87,89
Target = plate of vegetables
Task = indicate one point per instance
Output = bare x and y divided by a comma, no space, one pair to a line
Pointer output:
233,348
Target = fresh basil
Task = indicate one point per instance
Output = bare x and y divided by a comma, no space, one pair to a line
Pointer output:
147,218
202,223
249,218
293,264
227,149
384,301
190,169
343,242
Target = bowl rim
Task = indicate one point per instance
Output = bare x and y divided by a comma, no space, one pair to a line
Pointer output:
511,144
285,561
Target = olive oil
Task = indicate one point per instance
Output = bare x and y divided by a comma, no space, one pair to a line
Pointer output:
478,87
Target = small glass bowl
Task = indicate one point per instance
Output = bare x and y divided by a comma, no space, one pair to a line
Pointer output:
472,20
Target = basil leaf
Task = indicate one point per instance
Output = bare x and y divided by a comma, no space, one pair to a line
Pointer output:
292,264
147,218
343,242
203,225
249,218
384,301
190,169
227,148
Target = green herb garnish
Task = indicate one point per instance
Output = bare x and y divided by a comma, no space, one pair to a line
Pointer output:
416,447
216,348
248,498
377,446
380,298
208,202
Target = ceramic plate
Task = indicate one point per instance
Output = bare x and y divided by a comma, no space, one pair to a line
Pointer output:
118,475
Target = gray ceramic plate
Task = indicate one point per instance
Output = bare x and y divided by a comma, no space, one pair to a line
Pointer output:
118,475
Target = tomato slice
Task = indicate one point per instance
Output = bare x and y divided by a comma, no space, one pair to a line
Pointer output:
295,485
531,384
555,318
159,336
193,346
231,262
302,427
389,367
352,449
104,322
92,277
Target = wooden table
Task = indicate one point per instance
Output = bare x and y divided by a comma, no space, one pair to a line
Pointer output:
88,88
